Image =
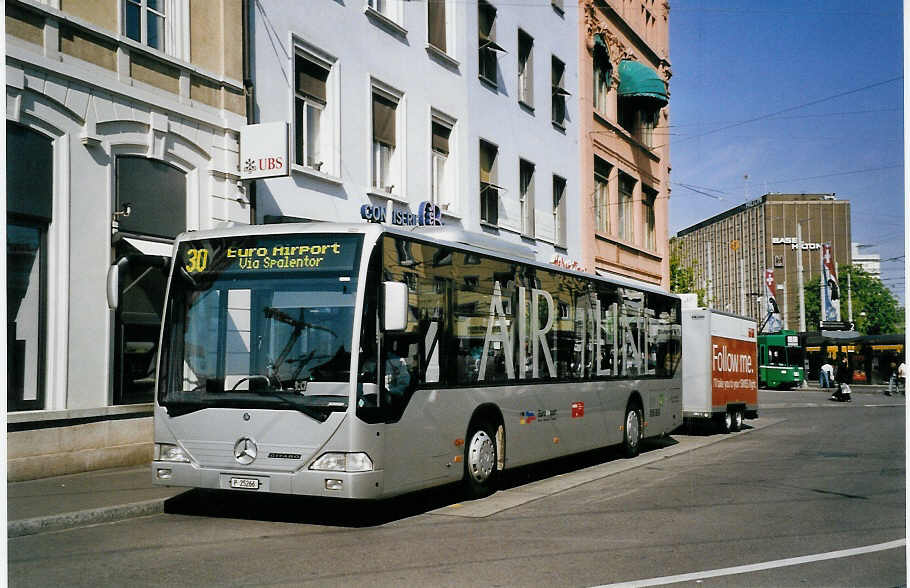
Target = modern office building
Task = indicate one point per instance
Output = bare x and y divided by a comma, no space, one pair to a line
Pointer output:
730,251
470,106
122,130
624,71
869,261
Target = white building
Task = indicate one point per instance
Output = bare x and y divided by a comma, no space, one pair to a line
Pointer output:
868,261
122,130
469,105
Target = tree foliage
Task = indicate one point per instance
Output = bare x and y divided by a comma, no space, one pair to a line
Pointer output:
875,309
684,278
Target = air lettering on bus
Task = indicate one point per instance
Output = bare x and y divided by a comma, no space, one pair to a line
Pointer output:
504,335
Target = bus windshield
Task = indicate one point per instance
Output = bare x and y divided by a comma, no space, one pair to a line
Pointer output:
261,322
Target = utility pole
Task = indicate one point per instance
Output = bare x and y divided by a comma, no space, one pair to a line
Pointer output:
786,310
849,300
799,277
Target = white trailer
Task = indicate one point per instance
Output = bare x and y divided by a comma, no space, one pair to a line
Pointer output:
720,368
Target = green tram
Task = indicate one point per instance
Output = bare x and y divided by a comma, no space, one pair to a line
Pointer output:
780,360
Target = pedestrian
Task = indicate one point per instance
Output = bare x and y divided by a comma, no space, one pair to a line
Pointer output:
901,377
827,374
892,379
844,377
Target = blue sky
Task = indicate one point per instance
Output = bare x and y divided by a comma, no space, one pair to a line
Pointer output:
832,70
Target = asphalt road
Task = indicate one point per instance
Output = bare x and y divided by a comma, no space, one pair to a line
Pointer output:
782,504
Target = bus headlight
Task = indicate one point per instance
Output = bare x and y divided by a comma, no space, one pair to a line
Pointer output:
343,462
168,452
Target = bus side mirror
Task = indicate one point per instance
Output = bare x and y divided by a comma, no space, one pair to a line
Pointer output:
114,275
116,272
395,306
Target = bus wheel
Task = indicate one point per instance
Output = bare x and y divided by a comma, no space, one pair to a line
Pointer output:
480,460
725,422
737,420
631,432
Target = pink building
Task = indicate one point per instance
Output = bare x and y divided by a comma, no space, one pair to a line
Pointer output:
625,172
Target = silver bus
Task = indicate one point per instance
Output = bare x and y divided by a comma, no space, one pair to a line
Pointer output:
366,361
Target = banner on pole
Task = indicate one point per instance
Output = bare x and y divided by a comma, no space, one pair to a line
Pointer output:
830,291
773,324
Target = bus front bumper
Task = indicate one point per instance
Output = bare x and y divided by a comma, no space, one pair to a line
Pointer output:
359,485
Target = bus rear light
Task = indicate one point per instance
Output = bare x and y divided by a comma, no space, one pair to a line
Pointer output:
459,442
343,462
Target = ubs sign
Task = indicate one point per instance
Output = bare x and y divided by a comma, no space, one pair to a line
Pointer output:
264,151
794,243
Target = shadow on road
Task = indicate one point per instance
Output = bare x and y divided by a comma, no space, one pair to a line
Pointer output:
367,513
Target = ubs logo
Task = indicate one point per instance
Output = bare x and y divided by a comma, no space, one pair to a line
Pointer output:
245,451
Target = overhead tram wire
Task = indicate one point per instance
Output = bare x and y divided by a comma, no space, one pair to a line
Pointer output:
790,180
789,109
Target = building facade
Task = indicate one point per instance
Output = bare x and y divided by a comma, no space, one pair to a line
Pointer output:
469,106
731,251
122,130
869,261
624,71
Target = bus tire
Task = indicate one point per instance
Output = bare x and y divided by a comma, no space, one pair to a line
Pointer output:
480,460
724,422
737,420
631,430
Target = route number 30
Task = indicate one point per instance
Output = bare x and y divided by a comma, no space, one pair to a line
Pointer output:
197,260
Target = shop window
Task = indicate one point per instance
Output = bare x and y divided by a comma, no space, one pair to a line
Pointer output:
29,199
26,298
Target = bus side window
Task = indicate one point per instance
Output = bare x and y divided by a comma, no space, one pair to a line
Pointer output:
400,367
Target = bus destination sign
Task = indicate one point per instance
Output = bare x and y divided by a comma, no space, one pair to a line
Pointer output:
271,254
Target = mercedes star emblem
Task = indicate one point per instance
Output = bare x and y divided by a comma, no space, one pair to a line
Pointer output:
245,451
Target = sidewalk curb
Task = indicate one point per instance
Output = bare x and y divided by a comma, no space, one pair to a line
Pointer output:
82,518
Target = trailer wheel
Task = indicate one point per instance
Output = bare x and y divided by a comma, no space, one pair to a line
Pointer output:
724,423
631,431
737,418
480,460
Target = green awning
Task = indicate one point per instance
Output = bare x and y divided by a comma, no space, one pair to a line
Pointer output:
639,80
